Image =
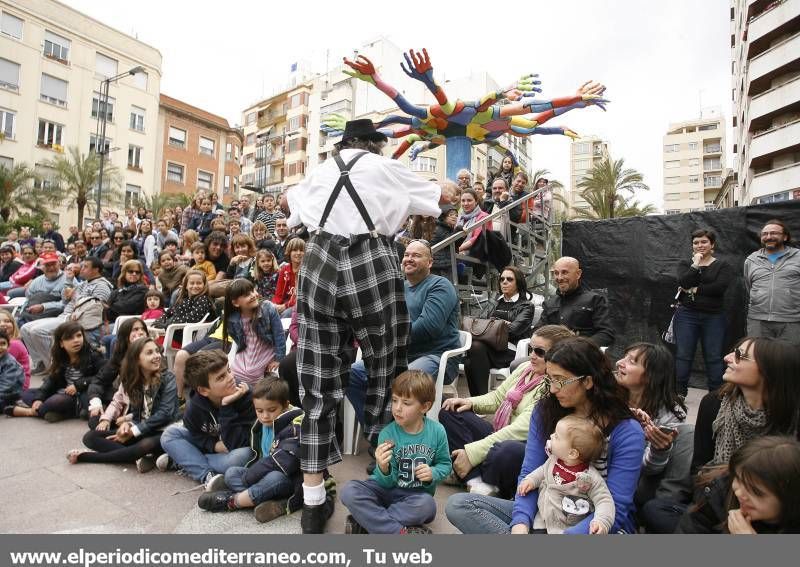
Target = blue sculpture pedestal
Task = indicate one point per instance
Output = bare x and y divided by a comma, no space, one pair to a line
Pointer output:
459,153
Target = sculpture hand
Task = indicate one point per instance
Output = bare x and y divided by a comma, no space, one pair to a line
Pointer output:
363,69
333,124
569,133
526,86
595,100
419,67
590,87
416,150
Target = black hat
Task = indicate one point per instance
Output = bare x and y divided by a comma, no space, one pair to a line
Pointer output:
445,209
364,129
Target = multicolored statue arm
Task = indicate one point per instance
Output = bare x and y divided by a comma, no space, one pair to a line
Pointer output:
420,68
364,70
333,125
419,148
526,86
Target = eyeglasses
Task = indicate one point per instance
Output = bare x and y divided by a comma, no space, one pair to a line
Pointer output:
117,238
739,355
556,383
507,278
538,351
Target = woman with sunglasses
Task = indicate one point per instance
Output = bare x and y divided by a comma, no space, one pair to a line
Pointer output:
700,315
129,251
128,297
647,372
487,456
761,396
512,305
581,382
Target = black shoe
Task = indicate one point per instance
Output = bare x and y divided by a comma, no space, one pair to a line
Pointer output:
54,417
371,467
313,519
352,527
216,501
9,411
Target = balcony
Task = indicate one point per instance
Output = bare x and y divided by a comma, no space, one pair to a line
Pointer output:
775,140
768,63
775,99
774,181
713,149
712,182
767,22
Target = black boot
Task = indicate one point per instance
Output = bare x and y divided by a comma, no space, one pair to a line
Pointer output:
314,518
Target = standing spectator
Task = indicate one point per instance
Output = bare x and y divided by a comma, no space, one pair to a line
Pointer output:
464,179
55,236
576,306
772,277
703,281
146,242
202,222
245,224
74,234
518,214
270,214
444,228
163,232
191,211
506,172
542,203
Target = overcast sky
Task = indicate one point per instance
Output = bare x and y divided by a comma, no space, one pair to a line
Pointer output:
660,60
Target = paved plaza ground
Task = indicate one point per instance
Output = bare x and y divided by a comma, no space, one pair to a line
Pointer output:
48,495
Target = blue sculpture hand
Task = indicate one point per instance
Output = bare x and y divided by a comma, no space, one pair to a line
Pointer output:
416,150
419,67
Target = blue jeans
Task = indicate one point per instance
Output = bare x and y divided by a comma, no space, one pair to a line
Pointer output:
387,510
272,486
16,292
356,390
184,448
689,325
477,514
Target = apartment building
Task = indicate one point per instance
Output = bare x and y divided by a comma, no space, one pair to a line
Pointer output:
694,160
53,63
584,154
765,67
196,150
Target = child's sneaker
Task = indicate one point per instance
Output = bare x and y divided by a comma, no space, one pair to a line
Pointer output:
219,501
271,509
165,463
416,530
145,464
476,486
215,482
352,527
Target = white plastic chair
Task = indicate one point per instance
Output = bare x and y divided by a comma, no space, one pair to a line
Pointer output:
500,374
119,321
196,331
169,351
14,304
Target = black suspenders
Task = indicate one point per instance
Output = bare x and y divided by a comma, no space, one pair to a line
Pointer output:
344,181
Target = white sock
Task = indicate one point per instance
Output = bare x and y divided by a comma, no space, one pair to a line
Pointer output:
314,495
473,481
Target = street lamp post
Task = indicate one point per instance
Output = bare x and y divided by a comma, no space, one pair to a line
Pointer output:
102,110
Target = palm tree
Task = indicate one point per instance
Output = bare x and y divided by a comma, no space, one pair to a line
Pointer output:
609,190
160,201
75,179
17,194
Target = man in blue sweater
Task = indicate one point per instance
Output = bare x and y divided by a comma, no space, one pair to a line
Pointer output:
433,307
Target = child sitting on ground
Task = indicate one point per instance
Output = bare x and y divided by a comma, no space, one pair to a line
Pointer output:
412,457
273,473
12,377
215,433
570,488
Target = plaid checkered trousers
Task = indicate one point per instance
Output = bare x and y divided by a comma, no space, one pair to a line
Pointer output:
347,287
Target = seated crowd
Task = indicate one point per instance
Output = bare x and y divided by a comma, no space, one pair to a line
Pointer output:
568,442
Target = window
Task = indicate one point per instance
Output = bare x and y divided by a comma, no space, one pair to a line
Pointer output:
235,186
137,118
250,140
694,162
206,146
672,164
297,122
49,134
423,163
135,157
6,162
7,121
712,163
694,195
336,107
672,196
672,180
205,180
175,173
177,137
672,148
296,168
53,90
56,47
580,164
706,127
236,153
140,80
249,118
692,145
9,75
226,188
94,143
99,108
105,66
694,179
229,151
298,99
11,25
583,148
45,177
249,160
296,145
672,211
248,178
132,194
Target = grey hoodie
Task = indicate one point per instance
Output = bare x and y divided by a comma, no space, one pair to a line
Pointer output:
774,289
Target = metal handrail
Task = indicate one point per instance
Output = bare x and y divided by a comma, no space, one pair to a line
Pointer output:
505,210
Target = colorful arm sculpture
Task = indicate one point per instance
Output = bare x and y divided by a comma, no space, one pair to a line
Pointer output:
364,70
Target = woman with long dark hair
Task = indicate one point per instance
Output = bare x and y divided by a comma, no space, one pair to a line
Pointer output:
513,304
581,383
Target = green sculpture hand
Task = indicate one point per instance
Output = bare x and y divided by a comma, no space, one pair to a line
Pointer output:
333,124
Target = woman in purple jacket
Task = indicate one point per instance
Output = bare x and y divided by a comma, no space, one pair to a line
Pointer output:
581,382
